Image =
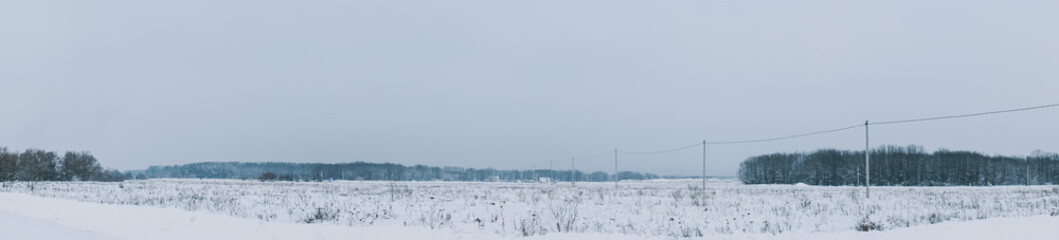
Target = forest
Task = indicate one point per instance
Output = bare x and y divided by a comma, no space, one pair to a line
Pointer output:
370,171
900,166
40,165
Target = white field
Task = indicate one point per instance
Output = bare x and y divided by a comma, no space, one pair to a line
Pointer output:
655,209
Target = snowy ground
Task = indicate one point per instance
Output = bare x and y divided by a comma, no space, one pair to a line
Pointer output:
227,209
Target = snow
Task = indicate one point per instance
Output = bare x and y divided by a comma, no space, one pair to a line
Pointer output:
230,209
38,218
13,226
31,217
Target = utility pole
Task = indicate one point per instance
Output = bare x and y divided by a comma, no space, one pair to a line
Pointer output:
867,163
703,165
1027,171
572,179
615,168
551,171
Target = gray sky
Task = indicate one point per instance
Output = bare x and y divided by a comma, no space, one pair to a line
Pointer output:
516,84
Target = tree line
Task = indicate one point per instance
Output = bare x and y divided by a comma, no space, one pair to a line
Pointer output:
40,165
371,171
900,166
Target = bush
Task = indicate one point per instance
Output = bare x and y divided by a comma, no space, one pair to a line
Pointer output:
868,225
322,215
109,176
565,214
531,226
267,177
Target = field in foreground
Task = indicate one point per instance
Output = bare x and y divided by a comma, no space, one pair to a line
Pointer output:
661,209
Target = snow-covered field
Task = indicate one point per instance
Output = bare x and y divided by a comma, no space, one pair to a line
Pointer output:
654,209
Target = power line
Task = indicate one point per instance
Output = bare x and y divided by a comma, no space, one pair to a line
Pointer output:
822,132
883,123
962,115
784,137
663,151
866,152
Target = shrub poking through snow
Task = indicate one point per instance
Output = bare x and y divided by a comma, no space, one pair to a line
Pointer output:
866,224
322,215
645,209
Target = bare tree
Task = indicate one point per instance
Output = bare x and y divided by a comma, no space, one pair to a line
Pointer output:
8,165
79,166
37,165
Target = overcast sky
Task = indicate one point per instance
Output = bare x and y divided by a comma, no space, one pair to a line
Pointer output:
519,84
